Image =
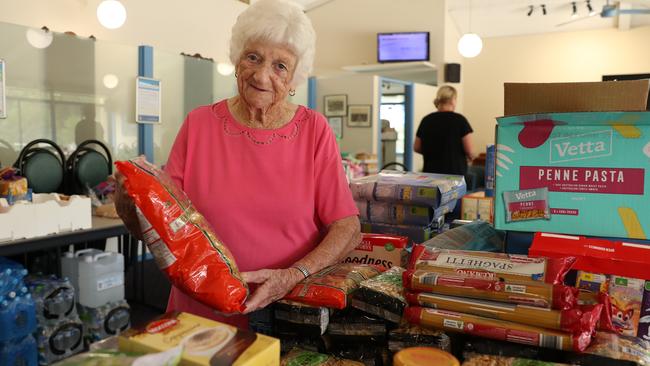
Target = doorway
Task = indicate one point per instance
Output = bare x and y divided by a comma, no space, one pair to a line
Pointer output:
395,123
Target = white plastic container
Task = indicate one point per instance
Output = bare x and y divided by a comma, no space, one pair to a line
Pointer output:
101,278
47,214
70,265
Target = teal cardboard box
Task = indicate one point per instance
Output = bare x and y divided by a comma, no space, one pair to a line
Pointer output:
595,165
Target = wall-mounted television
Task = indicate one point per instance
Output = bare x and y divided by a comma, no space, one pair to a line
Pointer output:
402,46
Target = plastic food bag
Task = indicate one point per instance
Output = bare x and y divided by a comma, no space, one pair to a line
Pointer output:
182,242
331,286
302,315
477,235
491,360
531,293
299,357
498,329
382,296
566,320
488,265
616,349
410,335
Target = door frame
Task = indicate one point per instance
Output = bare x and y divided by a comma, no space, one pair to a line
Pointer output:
408,121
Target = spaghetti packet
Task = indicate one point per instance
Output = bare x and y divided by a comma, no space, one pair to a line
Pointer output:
487,265
527,204
181,240
331,286
571,320
498,329
531,293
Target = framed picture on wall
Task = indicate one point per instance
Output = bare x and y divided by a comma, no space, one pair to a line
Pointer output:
336,105
336,123
359,115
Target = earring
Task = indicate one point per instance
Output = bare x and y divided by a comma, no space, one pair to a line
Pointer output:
292,92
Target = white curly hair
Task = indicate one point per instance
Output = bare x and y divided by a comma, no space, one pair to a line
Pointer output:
278,21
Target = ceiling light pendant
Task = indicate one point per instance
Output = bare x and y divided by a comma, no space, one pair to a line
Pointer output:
470,44
530,10
39,38
543,9
225,68
111,14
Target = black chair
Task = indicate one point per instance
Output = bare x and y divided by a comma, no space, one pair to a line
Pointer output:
87,166
42,166
396,164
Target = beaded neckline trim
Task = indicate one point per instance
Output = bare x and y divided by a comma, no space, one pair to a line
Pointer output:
232,129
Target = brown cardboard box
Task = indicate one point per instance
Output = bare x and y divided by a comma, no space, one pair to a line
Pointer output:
528,98
205,341
475,206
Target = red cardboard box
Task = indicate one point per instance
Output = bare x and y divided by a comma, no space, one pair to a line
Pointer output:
596,255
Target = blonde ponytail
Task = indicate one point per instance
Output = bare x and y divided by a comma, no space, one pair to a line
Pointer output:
445,95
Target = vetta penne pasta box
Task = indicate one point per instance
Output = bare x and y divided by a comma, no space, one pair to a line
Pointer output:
585,172
203,341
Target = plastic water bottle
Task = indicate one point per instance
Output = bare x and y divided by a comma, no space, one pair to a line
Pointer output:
19,351
70,264
17,316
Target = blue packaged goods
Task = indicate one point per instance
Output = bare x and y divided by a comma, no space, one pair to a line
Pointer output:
19,351
416,234
490,170
54,297
17,315
424,189
59,341
105,321
477,235
399,214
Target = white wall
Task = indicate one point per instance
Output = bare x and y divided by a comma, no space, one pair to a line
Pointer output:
422,105
360,89
559,57
201,26
347,30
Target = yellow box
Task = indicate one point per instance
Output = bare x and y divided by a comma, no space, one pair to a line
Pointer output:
204,341
475,206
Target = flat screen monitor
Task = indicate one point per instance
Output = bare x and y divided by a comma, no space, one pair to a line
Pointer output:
403,46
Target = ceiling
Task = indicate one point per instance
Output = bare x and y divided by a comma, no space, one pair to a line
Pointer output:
498,18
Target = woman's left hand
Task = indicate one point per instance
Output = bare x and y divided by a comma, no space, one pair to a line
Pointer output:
274,285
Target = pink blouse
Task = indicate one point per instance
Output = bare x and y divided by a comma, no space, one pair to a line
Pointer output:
269,194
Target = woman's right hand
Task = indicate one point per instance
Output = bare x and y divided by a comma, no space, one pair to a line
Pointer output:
125,207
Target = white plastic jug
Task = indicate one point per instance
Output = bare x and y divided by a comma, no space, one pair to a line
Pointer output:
101,278
70,265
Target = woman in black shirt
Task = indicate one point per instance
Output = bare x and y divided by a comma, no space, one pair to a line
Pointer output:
444,137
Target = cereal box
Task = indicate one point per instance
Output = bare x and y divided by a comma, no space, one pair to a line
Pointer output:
204,341
595,165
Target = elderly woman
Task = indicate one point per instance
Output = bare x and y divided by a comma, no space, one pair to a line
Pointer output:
266,173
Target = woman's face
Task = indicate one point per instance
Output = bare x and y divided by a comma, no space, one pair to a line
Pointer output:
264,73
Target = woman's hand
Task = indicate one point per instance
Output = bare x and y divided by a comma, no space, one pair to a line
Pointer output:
274,285
124,206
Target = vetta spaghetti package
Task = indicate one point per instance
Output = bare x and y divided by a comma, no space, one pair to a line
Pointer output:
486,265
587,144
331,286
498,329
531,293
570,320
182,242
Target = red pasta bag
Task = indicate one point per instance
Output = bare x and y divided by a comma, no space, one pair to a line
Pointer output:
182,242
331,286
